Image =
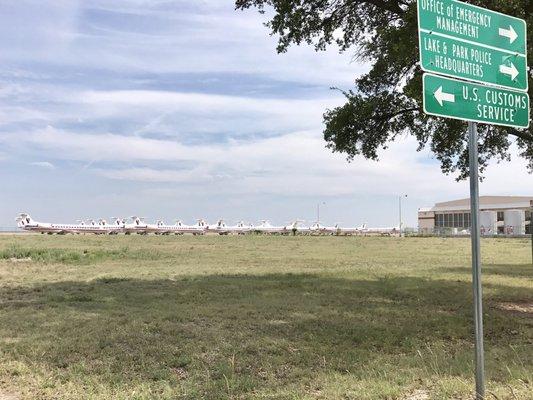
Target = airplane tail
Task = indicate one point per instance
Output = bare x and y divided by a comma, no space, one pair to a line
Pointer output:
137,220
24,219
295,223
118,221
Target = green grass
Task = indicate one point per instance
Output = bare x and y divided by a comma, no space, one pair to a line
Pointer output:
73,256
87,317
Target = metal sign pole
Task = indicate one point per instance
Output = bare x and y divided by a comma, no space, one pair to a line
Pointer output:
400,211
476,259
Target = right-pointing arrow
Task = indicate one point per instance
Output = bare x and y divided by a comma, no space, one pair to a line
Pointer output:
508,33
443,96
511,71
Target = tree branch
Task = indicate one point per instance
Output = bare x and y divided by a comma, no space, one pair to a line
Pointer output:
395,114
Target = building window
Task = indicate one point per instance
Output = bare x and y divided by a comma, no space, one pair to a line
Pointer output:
467,222
460,220
500,216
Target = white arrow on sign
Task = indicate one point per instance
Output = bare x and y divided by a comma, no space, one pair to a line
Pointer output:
511,71
508,33
443,96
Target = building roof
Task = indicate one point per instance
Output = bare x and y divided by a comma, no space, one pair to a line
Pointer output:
485,202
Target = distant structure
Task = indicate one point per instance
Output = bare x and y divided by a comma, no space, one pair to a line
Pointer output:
504,215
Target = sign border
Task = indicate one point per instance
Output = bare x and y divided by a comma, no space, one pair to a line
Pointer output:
461,77
471,119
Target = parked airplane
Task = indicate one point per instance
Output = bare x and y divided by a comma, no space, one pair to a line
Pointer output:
116,227
137,226
240,228
219,227
199,228
293,227
266,227
350,231
318,229
381,231
25,221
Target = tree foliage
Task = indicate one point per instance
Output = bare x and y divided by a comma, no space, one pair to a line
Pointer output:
387,101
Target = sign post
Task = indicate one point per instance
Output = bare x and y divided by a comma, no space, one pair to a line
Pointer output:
476,259
474,44
531,229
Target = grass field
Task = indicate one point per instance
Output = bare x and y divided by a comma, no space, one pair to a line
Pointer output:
130,317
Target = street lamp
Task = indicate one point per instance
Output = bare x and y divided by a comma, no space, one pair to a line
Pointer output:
400,210
318,212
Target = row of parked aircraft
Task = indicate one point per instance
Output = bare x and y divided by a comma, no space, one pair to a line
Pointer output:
137,225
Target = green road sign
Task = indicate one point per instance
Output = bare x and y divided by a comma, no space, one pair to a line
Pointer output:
452,98
475,24
460,59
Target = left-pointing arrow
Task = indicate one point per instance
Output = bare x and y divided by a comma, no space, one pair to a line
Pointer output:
443,96
511,71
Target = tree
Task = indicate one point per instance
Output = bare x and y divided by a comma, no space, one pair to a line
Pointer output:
387,101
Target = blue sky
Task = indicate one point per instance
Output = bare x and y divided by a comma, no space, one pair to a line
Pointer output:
180,109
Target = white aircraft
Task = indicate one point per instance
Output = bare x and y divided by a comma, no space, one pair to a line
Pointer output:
349,230
364,229
25,221
102,227
93,227
222,229
219,227
160,228
240,228
111,229
199,228
137,226
178,229
266,227
381,231
293,227
318,229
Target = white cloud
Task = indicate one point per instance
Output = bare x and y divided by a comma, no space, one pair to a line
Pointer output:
296,163
186,38
43,164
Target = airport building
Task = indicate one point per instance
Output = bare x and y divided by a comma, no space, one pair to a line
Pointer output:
510,215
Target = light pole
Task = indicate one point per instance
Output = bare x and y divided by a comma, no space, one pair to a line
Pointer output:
318,212
400,210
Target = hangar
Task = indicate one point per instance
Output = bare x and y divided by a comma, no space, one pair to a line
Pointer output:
498,215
